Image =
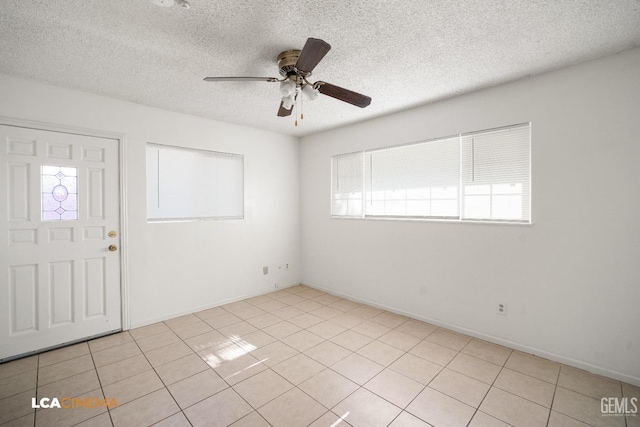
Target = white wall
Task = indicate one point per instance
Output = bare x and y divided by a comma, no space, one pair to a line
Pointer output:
571,280
177,268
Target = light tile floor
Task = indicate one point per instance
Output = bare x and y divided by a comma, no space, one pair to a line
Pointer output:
301,357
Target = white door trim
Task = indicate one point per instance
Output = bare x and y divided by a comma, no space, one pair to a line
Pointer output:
122,146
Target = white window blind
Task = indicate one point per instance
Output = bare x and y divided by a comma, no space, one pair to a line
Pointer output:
187,184
496,174
417,180
479,176
347,185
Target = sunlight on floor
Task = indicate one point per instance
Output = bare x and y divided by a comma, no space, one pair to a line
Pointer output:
227,351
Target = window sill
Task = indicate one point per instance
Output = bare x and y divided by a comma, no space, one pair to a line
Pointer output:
454,221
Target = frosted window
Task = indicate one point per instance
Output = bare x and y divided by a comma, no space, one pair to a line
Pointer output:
59,193
189,184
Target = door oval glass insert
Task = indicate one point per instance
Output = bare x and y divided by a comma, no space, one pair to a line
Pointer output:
60,193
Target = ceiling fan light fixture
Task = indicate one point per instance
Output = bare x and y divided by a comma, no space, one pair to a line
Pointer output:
310,92
287,87
288,101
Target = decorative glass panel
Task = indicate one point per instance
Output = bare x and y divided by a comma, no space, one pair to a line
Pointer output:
59,193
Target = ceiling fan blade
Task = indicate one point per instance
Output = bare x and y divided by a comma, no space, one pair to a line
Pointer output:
342,94
240,79
283,112
312,52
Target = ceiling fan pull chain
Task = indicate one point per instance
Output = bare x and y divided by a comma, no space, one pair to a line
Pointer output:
301,106
295,105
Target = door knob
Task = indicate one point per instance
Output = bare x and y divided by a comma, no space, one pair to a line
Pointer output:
113,248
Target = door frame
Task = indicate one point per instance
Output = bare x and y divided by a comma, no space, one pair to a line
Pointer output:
122,167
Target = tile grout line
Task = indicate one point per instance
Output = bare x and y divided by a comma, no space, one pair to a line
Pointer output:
256,411
626,421
100,383
487,393
65,378
576,392
490,385
61,361
159,377
230,386
527,375
555,389
108,336
37,386
427,385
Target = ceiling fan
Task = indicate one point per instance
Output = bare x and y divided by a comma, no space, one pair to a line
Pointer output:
295,68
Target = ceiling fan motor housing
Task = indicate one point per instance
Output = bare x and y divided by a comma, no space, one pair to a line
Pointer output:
287,62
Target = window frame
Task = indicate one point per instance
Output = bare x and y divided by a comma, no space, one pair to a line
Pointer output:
461,188
205,153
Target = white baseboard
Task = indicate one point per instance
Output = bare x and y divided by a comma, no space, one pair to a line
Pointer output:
630,379
206,306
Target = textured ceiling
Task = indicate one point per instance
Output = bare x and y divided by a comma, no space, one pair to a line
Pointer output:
401,53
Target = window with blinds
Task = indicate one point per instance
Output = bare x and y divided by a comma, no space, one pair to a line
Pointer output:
479,176
346,185
418,180
496,174
187,184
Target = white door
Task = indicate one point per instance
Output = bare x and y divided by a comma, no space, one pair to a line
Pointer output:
59,213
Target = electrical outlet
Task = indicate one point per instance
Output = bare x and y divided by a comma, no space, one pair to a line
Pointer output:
502,308
277,285
286,266
265,270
